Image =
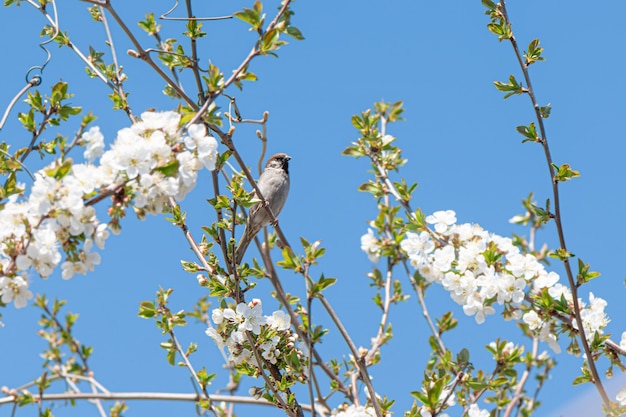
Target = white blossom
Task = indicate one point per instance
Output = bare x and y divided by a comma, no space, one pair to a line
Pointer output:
94,143
354,411
442,220
369,245
475,411
15,289
279,320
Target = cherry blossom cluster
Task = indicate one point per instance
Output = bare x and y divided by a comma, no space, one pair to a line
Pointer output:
480,269
354,411
237,329
150,161
473,411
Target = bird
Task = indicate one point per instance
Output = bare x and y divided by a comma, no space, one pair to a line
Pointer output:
274,186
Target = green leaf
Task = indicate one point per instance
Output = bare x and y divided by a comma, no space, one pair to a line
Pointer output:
561,254
564,172
543,214
489,4
584,274
511,88
501,28
190,267
215,79
28,120
149,25
290,261
194,30
534,52
219,202
253,17
294,32
321,285
170,169
147,310
353,150
476,384
270,42
217,288
205,378
373,188
529,132
61,171
545,111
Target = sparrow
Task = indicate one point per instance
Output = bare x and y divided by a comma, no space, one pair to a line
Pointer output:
274,186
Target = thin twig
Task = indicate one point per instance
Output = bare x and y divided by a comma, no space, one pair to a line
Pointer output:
149,396
557,216
118,75
420,297
358,359
194,54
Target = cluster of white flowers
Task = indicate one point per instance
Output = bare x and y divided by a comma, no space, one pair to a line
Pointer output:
354,411
480,269
273,336
54,217
153,143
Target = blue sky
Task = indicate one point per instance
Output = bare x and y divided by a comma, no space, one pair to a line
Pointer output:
459,138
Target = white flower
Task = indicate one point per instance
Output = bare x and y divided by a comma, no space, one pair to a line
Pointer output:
549,337
511,289
593,317
15,289
448,396
196,131
545,280
250,319
532,320
443,257
559,290
415,243
387,139
43,193
269,350
369,245
167,121
441,220
354,411
100,235
217,316
207,152
94,141
474,411
279,320
217,338
475,306
246,317
86,262
188,167
84,178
